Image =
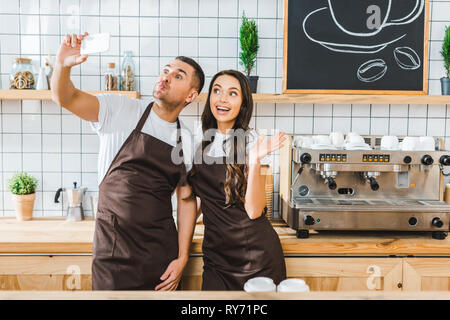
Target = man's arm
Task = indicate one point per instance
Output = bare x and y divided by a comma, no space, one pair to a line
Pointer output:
82,104
186,217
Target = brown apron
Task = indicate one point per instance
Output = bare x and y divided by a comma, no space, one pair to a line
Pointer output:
235,248
135,236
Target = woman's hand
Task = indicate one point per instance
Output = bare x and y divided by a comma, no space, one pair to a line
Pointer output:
264,147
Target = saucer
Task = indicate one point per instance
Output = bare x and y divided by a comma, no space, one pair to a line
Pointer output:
390,149
323,147
355,144
357,147
319,27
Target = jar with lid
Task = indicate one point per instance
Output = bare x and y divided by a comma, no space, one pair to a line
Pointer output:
22,75
111,77
127,73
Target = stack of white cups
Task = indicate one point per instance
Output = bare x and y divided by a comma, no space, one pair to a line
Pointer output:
408,143
265,284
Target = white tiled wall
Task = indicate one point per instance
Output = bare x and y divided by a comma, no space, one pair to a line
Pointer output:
59,148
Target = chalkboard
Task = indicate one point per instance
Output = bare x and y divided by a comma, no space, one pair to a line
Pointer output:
356,46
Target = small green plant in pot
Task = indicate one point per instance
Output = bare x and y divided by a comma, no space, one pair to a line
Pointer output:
249,47
23,189
445,81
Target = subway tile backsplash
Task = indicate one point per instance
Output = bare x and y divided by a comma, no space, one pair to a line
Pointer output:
59,148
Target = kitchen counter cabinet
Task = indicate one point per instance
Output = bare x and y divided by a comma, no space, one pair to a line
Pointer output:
426,274
326,273
320,273
51,254
31,272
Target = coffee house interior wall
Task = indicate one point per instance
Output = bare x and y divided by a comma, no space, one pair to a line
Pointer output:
58,148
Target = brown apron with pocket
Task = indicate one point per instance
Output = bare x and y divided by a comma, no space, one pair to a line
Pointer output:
135,235
235,248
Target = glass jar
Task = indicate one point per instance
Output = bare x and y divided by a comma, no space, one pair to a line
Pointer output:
22,75
110,77
127,74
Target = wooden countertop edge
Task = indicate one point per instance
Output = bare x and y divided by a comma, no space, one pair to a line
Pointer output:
329,249
46,247
44,236
222,295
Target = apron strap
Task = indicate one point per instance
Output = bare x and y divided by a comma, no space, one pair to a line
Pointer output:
183,173
144,117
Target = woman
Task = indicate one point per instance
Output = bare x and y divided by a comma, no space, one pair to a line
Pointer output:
239,242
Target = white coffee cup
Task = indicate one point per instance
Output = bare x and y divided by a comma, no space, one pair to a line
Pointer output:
355,139
321,139
337,139
260,284
307,142
410,143
293,285
297,141
389,143
427,143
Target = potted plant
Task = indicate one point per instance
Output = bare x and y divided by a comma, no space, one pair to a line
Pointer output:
249,47
445,81
23,189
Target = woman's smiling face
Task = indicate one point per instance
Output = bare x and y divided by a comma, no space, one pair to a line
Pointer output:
226,99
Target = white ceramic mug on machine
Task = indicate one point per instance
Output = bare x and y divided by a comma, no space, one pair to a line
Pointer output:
389,143
337,139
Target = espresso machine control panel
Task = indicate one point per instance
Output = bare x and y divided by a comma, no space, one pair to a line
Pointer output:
376,158
327,157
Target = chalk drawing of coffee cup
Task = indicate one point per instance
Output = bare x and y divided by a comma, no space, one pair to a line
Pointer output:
369,17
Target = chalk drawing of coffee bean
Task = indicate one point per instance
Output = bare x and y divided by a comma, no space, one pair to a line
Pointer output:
406,58
372,70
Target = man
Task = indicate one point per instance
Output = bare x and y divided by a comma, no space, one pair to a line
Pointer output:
136,244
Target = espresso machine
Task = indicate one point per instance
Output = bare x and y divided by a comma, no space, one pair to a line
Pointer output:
372,190
74,198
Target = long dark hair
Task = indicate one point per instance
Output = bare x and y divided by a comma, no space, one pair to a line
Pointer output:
236,175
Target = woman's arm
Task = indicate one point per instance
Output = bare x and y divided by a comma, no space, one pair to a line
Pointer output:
255,196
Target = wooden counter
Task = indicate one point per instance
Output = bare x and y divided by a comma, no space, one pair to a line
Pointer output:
51,254
44,235
219,295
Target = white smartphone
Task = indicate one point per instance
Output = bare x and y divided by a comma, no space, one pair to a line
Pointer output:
95,43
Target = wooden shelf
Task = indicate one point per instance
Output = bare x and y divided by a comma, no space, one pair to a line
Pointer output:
345,99
6,94
263,98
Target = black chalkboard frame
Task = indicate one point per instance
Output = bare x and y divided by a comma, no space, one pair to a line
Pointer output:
423,91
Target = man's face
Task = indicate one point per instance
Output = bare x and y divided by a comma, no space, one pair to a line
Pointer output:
175,83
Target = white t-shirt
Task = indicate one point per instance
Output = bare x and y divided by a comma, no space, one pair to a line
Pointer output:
218,149
119,115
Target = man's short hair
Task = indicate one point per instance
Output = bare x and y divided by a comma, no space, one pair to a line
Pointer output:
199,74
